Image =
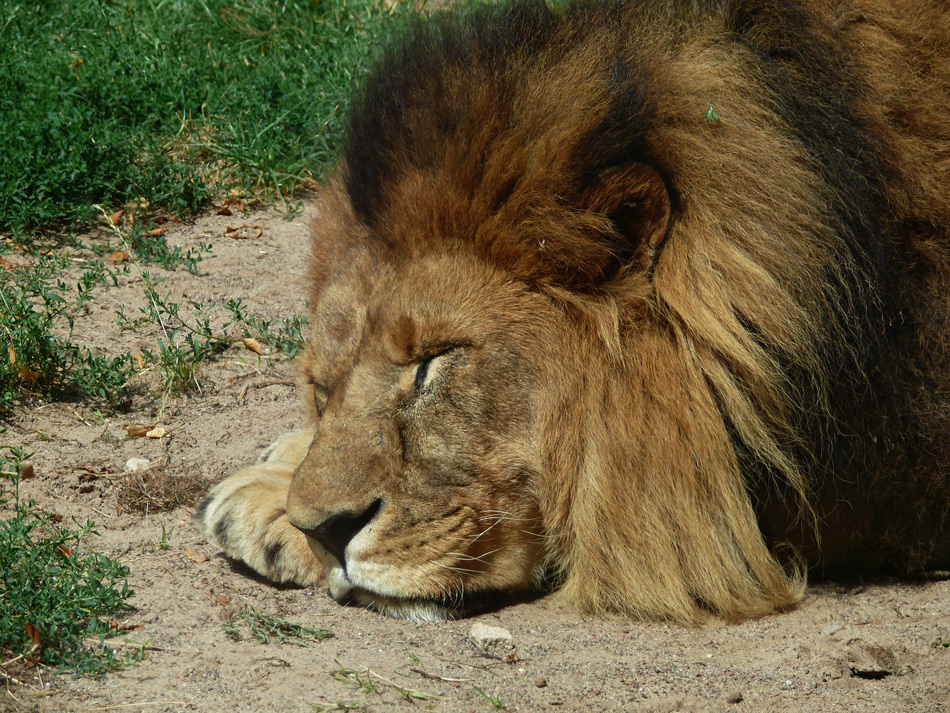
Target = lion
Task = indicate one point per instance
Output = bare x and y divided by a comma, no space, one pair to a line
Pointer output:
646,302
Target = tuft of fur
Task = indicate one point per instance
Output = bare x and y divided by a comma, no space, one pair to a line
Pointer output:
715,237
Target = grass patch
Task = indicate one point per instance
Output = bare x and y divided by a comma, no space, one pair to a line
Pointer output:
156,106
36,305
263,626
59,602
106,102
367,681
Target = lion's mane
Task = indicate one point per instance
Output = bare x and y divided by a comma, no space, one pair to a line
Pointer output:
771,367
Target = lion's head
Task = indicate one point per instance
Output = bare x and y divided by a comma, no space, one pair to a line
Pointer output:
589,307
421,483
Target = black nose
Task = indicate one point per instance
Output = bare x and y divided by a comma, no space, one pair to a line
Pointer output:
336,531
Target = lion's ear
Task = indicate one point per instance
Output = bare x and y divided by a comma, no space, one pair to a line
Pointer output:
636,201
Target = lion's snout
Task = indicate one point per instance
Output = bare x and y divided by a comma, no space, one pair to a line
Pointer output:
334,532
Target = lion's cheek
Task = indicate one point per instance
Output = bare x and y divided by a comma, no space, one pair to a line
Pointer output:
496,550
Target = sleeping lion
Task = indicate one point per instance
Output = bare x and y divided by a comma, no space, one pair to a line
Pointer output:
645,301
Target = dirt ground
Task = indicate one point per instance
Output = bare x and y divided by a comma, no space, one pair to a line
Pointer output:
849,646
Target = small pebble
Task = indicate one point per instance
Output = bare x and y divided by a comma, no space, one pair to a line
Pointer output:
540,681
491,638
134,464
735,697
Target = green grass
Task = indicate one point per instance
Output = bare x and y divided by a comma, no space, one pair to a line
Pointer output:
166,104
37,311
59,600
105,102
264,626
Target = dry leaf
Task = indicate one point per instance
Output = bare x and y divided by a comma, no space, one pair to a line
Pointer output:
139,360
12,355
253,345
96,469
87,477
221,600
194,556
232,202
64,550
116,218
26,471
156,232
138,431
32,633
118,256
27,374
55,517
156,432
243,232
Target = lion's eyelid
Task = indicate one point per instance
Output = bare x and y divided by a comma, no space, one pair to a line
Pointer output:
424,372
321,395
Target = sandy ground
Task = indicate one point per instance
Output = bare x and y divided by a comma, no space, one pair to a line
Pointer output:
849,646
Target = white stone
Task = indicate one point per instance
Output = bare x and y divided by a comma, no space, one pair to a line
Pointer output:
134,464
491,638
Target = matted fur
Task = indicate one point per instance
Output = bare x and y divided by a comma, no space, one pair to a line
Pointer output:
647,299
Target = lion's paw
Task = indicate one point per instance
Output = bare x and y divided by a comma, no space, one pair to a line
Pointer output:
246,515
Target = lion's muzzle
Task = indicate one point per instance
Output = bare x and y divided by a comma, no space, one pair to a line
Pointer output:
336,531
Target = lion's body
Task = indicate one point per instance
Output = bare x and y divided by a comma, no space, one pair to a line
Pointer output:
632,297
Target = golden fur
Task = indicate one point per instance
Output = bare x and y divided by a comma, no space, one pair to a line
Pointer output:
647,300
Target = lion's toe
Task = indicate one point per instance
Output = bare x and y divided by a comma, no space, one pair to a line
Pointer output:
246,516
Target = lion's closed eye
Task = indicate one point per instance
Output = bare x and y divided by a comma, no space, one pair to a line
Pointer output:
321,395
429,369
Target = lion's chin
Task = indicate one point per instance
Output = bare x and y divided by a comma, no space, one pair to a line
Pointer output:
417,609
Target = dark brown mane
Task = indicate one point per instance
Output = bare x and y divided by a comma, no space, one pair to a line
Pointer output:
787,249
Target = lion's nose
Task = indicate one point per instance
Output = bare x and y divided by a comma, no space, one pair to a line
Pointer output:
336,531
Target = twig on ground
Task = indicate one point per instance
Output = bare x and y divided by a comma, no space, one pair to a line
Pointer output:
426,674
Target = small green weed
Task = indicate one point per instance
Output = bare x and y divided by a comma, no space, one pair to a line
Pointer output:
284,335
190,340
150,245
263,626
353,677
36,305
496,701
710,114
58,604
363,681
163,542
